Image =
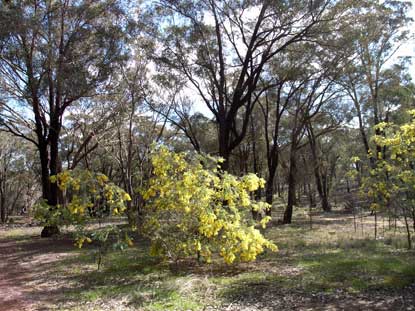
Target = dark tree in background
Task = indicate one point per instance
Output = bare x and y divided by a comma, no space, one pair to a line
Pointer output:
222,48
276,88
52,55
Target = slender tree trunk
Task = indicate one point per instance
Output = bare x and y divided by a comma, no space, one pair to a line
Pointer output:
291,187
3,208
258,193
321,181
354,219
325,205
408,231
44,164
311,196
3,178
362,129
269,188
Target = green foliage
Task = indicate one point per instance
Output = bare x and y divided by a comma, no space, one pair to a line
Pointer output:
88,197
390,185
196,209
393,175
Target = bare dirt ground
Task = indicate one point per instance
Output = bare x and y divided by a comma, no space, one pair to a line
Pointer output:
25,282
13,279
266,298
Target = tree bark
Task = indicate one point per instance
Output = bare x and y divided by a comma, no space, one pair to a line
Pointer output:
269,189
3,208
321,181
291,187
224,149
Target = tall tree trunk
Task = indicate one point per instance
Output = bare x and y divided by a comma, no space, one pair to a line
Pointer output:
255,157
362,130
269,188
54,162
291,187
322,191
44,166
325,204
224,149
50,167
321,180
3,207
311,196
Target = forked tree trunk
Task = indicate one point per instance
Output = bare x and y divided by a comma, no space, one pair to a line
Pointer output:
321,181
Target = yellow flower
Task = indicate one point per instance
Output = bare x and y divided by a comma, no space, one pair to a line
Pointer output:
126,197
102,179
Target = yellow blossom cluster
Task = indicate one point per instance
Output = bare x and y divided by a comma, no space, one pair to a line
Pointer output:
193,208
90,193
394,174
86,196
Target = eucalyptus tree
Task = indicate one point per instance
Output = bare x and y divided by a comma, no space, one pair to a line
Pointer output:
222,48
86,127
52,55
287,70
302,74
316,93
322,140
137,127
7,151
376,32
17,176
177,109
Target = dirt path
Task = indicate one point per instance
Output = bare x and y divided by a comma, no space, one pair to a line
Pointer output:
14,279
26,281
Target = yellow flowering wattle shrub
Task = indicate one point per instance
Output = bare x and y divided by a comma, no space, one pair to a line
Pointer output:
194,209
87,197
393,176
390,185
